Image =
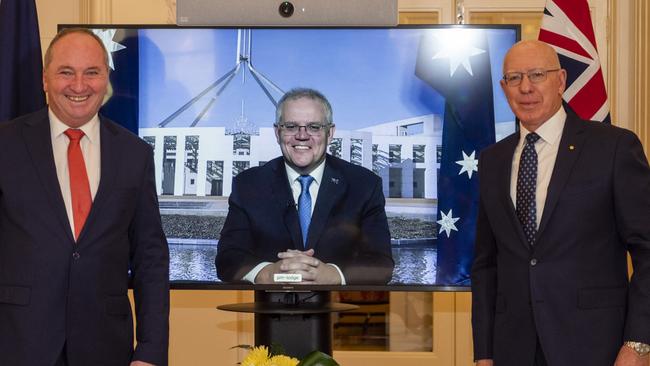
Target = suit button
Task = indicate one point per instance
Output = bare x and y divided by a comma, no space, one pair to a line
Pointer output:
76,255
533,262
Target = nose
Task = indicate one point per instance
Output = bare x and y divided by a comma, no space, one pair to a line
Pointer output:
302,133
77,84
525,85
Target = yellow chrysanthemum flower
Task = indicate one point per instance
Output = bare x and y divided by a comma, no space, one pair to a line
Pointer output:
258,356
282,360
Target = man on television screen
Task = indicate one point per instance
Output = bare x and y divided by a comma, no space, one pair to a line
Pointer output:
309,215
78,212
562,202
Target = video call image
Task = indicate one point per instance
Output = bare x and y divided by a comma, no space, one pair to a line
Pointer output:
204,99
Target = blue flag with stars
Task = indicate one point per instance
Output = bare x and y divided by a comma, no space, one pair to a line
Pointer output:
456,63
123,48
21,70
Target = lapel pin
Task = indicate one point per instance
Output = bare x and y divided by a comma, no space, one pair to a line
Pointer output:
571,147
335,180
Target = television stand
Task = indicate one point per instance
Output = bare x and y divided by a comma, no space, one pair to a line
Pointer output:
299,322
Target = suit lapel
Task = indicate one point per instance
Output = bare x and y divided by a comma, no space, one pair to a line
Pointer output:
283,199
568,153
38,139
505,172
331,190
108,172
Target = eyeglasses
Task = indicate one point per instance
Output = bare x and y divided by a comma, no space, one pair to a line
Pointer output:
312,128
534,76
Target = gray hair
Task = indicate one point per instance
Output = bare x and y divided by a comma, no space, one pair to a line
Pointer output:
298,93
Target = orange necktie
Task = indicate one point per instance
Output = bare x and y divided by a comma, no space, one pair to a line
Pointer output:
79,186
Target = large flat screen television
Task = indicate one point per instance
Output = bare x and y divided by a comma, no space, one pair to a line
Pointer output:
413,104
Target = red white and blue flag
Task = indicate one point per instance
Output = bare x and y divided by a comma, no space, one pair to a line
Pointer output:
567,27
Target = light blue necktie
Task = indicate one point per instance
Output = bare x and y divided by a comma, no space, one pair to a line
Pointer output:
304,206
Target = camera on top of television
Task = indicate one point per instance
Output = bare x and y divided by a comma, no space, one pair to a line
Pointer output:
286,9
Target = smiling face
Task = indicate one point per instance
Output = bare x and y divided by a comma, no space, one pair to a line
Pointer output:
76,78
302,151
533,103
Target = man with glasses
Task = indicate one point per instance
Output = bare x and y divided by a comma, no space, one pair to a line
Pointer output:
305,216
562,201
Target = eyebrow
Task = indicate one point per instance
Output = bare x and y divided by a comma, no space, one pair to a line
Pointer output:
68,67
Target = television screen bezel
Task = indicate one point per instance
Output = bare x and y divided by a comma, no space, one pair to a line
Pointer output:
206,285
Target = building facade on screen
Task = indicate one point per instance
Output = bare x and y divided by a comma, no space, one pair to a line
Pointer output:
201,161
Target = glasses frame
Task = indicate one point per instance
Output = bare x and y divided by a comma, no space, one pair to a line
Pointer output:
321,127
528,74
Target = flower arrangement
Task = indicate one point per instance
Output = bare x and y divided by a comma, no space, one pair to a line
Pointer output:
261,356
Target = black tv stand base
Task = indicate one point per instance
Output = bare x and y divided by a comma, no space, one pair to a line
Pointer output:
298,322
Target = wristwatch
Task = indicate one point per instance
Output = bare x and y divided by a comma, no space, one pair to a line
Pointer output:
641,349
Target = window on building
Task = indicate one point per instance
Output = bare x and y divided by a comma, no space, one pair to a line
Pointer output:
191,153
411,129
356,151
241,144
214,178
151,140
394,154
418,153
336,146
239,166
169,165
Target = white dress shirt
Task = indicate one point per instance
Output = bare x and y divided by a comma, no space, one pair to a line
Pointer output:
296,189
90,148
547,146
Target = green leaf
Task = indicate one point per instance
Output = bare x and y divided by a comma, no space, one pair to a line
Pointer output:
317,358
243,346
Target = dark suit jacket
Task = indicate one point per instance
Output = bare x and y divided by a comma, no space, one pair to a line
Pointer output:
571,290
348,226
55,291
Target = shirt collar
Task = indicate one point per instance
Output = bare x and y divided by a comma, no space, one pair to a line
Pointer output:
549,131
317,173
90,128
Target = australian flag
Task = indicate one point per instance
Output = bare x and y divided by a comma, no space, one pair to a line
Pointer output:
456,63
21,69
123,48
567,27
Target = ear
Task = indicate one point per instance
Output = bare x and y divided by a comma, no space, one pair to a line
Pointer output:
330,133
276,129
44,81
562,80
503,85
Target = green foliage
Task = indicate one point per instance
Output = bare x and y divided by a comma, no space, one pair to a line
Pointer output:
317,358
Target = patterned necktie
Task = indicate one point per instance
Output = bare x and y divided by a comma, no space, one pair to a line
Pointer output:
79,186
304,206
526,187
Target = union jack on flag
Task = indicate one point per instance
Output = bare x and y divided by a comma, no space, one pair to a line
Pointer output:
567,27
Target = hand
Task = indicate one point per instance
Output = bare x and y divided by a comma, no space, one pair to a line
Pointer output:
627,357
289,262
141,363
313,270
485,362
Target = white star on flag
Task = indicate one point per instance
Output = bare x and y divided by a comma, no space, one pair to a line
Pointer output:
458,48
106,35
447,222
469,164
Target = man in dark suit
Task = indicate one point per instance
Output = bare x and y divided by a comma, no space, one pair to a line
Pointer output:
306,212
78,211
562,201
